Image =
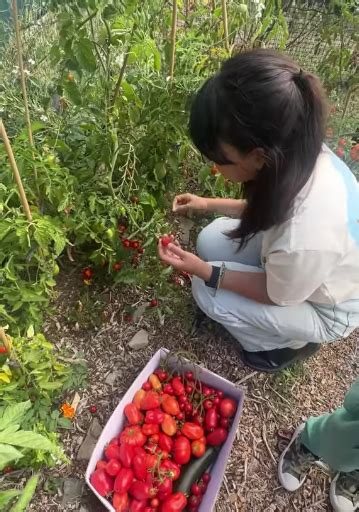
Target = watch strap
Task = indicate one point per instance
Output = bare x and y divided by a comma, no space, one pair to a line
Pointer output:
213,280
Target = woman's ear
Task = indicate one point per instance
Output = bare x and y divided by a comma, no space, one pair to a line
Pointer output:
258,158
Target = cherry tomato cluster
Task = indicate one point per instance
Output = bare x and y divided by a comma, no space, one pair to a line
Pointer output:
171,421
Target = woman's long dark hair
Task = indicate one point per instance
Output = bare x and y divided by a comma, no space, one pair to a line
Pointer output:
262,99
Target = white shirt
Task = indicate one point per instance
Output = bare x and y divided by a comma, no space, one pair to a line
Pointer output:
314,255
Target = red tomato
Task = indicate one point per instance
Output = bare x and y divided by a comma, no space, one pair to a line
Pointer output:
217,437
168,389
151,401
124,480
194,502
155,416
177,385
120,502
151,460
137,399
174,503
153,439
189,389
164,488
149,430
206,477
139,466
165,442
211,419
198,419
102,482
169,425
170,469
192,431
133,415
195,490
166,240
170,405
224,422
126,455
155,382
142,491
189,376
182,450
146,386
227,408
133,436
113,467
198,448
207,404
112,451
101,464
138,506
155,503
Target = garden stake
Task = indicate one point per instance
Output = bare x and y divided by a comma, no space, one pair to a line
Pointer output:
173,39
6,341
15,171
225,24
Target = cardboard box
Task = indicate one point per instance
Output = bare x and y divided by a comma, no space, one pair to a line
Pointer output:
115,424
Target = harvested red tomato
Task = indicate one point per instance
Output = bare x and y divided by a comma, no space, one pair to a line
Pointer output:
196,490
206,477
153,303
155,503
154,416
188,408
189,376
182,450
137,399
198,448
142,491
217,437
178,386
150,429
113,467
151,401
168,389
124,480
224,422
189,389
146,386
174,503
169,425
101,464
102,482
166,240
170,405
192,431
162,375
164,488
133,436
126,455
171,469
207,404
151,460
117,266
211,419
139,466
227,408
120,502
93,409
112,451
153,439
165,442
133,415
155,382
138,506
198,419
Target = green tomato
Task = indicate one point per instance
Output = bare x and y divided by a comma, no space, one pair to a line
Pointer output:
55,270
110,233
243,8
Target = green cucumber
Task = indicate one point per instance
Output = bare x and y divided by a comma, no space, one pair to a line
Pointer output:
193,471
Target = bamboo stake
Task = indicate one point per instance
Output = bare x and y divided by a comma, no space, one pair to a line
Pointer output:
15,171
173,39
225,24
21,68
6,340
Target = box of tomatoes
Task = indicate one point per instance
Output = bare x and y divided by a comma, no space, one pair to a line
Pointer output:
167,443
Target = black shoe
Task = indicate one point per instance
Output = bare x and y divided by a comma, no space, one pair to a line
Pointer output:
275,360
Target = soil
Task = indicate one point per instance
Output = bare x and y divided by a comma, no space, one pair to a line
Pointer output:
96,328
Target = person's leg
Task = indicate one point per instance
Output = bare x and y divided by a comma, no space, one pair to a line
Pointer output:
335,439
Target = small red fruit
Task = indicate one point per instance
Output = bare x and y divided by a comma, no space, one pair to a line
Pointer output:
165,240
117,266
3,350
7,470
87,273
134,199
126,243
206,477
146,386
93,409
207,404
340,152
189,376
122,228
134,244
153,304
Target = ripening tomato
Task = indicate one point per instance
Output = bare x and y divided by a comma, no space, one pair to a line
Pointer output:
217,437
113,467
150,401
142,491
178,386
165,442
169,425
133,436
124,480
120,502
170,469
126,455
164,488
155,382
150,430
227,408
182,450
198,448
112,451
133,415
170,405
211,419
174,503
192,431
139,396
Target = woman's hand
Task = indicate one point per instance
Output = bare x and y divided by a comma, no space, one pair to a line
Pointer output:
184,261
185,202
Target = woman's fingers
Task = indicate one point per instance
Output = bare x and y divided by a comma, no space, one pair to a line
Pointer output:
181,202
177,250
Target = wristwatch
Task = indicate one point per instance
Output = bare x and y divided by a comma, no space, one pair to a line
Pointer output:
213,280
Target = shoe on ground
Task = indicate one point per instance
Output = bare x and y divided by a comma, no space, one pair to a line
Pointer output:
344,492
295,463
272,361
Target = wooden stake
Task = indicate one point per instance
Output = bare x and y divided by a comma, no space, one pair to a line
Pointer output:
15,171
6,340
225,24
173,39
21,68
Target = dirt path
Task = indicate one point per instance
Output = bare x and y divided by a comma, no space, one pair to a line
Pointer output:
272,401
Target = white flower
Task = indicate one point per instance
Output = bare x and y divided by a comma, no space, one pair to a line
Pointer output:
44,118
119,60
31,62
26,72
